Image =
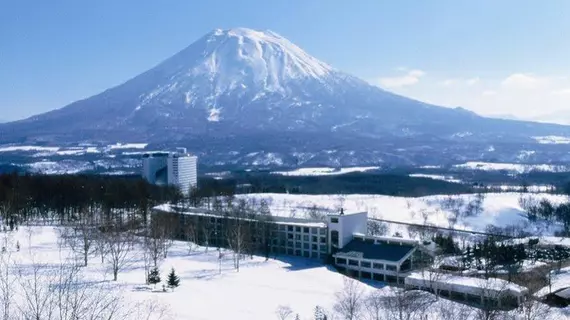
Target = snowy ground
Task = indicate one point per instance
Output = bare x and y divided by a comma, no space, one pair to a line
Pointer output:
511,167
253,293
204,294
499,209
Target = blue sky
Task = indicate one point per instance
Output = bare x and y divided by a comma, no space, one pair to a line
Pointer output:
493,57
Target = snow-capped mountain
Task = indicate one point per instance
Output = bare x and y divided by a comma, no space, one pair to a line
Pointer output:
240,92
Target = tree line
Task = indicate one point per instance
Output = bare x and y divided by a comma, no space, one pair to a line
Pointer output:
63,198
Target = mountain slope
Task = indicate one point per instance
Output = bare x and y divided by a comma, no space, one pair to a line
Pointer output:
258,92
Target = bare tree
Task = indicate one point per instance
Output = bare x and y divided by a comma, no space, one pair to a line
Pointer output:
191,236
7,283
376,228
449,310
491,290
80,236
236,230
119,245
37,297
349,301
455,206
531,308
265,228
341,200
59,293
404,305
374,305
314,212
283,312
206,228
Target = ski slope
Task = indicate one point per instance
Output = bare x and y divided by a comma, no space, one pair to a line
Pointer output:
499,209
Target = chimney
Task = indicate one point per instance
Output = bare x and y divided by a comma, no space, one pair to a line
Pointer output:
341,211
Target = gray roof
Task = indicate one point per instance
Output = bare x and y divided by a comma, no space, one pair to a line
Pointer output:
381,251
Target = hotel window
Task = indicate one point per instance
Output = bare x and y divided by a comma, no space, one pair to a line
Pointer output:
365,264
340,261
334,220
306,237
323,231
378,266
314,230
298,229
314,247
353,262
315,239
391,267
305,246
306,229
324,248
290,228
297,237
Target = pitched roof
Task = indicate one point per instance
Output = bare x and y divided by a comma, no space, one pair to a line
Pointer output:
380,251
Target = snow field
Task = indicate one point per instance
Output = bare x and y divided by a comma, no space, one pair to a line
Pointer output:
252,293
499,209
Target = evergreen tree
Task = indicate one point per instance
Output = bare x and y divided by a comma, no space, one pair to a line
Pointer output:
154,276
173,280
297,317
320,313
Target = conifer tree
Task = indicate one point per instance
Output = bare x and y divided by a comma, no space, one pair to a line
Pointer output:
173,280
320,313
154,276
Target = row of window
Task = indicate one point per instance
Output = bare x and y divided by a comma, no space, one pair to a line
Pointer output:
366,264
300,253
371,276
313,230
298,237
299,245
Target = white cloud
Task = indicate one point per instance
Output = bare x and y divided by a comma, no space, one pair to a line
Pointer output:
459,81
410,78
473,81
522,81
524,95
449,82
561,92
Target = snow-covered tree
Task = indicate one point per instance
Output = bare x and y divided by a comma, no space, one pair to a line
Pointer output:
154,276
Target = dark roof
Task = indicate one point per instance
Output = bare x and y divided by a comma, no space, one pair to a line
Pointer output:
381,251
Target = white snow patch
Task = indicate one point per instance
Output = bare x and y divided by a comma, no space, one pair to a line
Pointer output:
119,146
325,171
513,167
552,140
214,114
435,177
27,148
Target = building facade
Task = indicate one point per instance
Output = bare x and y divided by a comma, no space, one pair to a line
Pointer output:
171,168
387,259
488,293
